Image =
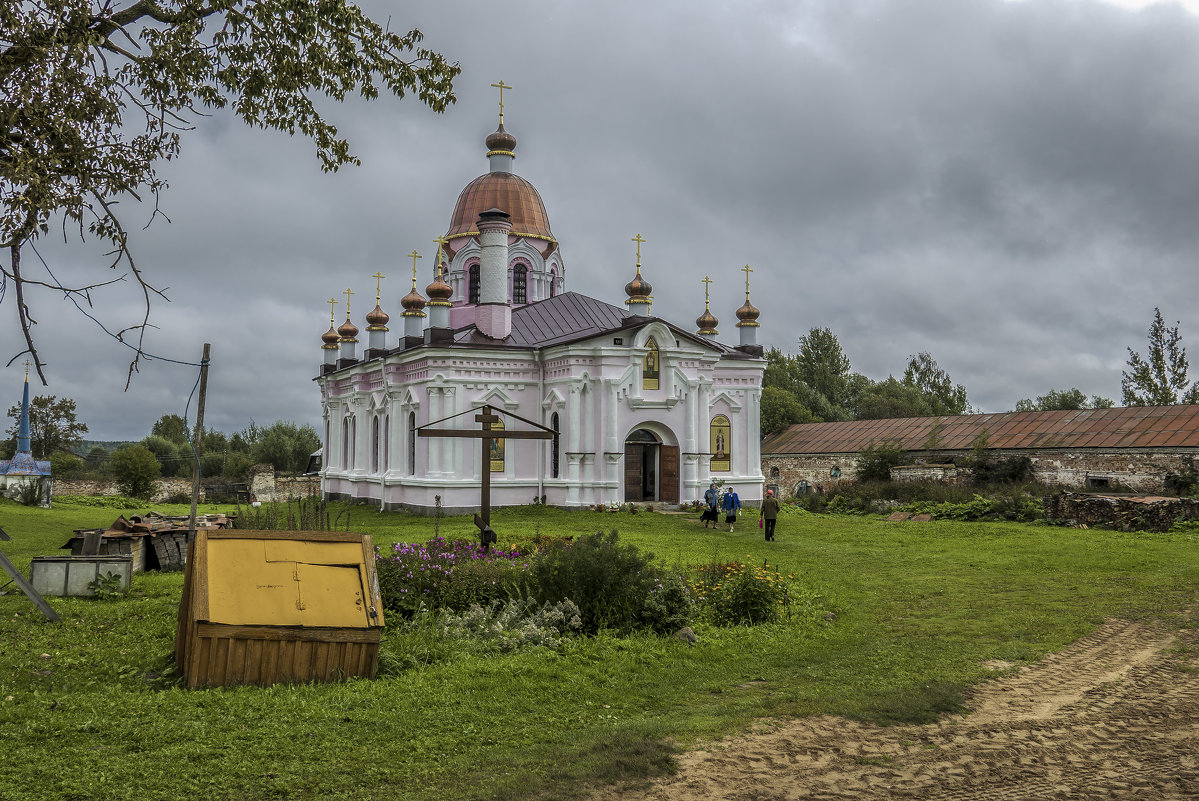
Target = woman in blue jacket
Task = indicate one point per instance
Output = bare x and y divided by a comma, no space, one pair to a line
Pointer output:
731,504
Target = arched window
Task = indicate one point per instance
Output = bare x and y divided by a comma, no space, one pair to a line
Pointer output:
412,443
650,365
345,442
520,284
774,472
722,446
387,442
473,287
554,283
353,442
497,449
375,444
555,447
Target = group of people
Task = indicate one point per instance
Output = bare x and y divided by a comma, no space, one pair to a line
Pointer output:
730,504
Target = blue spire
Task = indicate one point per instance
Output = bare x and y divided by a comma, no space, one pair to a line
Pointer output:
23,431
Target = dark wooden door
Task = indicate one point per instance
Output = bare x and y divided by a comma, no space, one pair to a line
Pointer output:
668,474
634,457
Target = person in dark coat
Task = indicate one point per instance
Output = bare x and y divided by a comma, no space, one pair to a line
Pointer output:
731,504
711,504
769,515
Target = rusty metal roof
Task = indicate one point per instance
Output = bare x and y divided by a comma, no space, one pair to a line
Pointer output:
1124,427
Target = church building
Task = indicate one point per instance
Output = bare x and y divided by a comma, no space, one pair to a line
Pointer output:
22,472
634,407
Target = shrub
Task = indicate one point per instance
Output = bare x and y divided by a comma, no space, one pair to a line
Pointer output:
669,605
136,470
875,463
412,576
607,579
65,465
515,624
483,582
735,593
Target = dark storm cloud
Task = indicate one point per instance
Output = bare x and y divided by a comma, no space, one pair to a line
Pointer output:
1008,185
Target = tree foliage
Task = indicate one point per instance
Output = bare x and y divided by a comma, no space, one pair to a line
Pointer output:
136,470
286,445
935,386
1063,400
171,427
1161,379
823,365
53,426
781,409
95,93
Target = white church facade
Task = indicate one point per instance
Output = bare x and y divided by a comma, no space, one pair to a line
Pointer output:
641,409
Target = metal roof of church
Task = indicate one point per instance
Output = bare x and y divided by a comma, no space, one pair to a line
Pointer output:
1126,427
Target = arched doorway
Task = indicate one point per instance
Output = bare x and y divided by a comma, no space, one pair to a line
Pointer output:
651,468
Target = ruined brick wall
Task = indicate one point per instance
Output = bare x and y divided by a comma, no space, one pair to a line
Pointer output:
267,486
166,488
1139,513
1141,470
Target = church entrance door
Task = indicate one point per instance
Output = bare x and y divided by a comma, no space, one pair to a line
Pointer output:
641,451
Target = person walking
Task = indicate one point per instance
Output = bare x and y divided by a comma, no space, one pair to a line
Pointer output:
712,503
769,515
731,504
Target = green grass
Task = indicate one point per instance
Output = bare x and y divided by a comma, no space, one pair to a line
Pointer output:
918,608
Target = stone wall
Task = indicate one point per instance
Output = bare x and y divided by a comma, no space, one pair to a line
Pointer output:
166,488
1142,470
264,486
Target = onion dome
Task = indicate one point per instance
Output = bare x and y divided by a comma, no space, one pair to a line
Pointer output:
413,302
501,141
748,313
501,190
638,287
347,331
706,323
439,291
377,319
330,337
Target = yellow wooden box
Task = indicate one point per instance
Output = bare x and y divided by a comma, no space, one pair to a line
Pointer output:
261,607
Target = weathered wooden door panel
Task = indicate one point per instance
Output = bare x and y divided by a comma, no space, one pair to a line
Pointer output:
668,474
633,458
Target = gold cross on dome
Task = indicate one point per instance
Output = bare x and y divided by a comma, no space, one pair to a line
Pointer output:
378,276
639,240
707,282
747,270
501,86
414,256
332,302
348,293
441,243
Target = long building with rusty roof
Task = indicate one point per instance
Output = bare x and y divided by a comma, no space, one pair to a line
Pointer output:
1134,447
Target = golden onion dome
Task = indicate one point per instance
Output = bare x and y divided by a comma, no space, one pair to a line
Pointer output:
706,322
376,317
413,302
331,336
501,140
638,287
439,290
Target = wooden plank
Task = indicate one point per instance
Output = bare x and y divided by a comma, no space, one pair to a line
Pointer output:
287,633
28,589
253,667
199,610
217,663
312,536
472,433
235,670
321,663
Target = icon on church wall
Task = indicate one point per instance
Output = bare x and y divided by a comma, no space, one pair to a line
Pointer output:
497,449
649,367
721,439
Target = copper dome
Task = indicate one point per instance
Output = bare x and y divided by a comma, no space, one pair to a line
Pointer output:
707,322
638,287
501,190
501,140
347,330
439,290
748,313
376,317
413,302
331,336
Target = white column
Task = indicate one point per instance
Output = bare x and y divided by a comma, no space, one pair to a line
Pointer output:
689,418
435,442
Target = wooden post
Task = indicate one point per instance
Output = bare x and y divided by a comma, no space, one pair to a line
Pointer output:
25,586
196,445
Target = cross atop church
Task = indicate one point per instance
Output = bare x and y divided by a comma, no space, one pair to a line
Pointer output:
441,243
639,240
332,302
26,370
501,86
414,256
747,270
378,276
707,282
348,293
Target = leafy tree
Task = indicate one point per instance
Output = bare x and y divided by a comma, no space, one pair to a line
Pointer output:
890,398
1061,400
136,470
784,372
876,461
65,465
165,452
781,409
286,445
822,365
53,426
97,93
1162,379
936,387
171,427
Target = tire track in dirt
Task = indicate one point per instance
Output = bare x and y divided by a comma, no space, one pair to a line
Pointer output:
1109,717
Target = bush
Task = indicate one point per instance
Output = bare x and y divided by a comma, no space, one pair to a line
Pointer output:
515,624
1004,507
875,463
65,465
136,470
734,593
608,580
412,576
669,606
483,582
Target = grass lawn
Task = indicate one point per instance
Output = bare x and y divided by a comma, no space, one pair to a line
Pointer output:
90,710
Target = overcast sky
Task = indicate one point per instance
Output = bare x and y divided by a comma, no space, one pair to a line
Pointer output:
1011,186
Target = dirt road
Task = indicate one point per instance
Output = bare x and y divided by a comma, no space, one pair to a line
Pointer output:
1114,716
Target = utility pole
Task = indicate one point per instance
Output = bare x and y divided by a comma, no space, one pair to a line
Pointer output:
191,523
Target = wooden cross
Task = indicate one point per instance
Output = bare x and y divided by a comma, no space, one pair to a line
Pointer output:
501,86
747,270
639,240
332,302
378,276
348,293
486,436
707,281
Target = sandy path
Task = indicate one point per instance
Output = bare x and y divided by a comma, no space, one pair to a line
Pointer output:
1110,717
